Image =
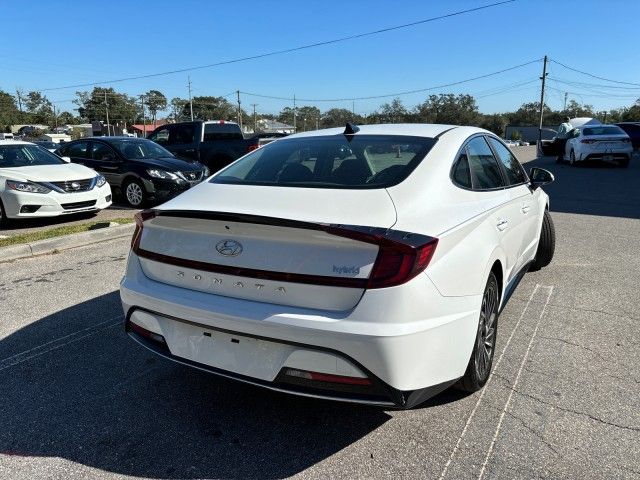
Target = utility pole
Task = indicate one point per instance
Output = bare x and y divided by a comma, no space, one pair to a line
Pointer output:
106,107
55,117
543,78
19,95
317,123
353,109
255,118
239,110
566,94
190,100
294,114
144,119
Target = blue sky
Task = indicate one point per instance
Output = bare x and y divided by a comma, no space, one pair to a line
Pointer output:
73,43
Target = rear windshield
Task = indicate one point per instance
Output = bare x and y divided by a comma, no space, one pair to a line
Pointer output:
12,156
610,130
367,161
221,131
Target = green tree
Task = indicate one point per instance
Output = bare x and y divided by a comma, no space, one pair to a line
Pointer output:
66,118
177,107
528,114
155,102
449,109
308,116
339,117
92,107
285,116
39,108
9,113
211,108
495,123
394,112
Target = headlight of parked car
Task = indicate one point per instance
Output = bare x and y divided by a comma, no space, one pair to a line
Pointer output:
27,187
157,173
100,181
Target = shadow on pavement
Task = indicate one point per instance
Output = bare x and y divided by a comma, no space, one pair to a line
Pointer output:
105,402
593,188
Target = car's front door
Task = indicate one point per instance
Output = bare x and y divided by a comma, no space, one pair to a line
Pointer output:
182,141
106,162
487,177
524,202
77,152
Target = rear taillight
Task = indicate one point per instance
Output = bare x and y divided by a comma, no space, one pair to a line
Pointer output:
401,255
251,148
140,218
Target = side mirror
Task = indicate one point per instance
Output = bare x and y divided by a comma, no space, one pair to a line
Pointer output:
540,177
66,159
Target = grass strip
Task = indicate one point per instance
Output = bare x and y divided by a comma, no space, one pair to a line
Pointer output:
59,231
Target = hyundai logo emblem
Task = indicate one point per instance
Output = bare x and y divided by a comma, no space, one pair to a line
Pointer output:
75,186
229,248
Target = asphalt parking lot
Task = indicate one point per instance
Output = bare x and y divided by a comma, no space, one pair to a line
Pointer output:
78,399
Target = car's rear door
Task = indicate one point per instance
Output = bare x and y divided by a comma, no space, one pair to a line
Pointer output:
184,141
524,201
76,151
105,161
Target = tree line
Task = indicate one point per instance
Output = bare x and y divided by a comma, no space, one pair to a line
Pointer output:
446,108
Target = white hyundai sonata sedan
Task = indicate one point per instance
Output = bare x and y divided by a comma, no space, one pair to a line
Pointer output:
36,183
366,264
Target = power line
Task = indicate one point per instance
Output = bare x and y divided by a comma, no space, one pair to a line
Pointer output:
287,50
396,94
595,76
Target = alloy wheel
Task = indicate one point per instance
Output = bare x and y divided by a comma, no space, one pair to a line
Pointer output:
134,194
486,338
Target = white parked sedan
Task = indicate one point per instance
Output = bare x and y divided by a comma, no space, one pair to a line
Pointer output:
608,143
36,183
362,264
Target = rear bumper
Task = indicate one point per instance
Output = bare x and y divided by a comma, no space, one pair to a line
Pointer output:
410,341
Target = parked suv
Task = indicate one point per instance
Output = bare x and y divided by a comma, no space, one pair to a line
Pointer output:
213,143
141,170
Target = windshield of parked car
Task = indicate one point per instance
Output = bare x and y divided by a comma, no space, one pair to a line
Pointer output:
337,161
12,156
140,149
608,130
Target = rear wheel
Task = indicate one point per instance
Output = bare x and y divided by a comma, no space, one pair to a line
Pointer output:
547,243
572,158
479,367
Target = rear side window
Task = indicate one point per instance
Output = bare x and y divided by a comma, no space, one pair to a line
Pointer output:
367,161
461,175
485,172
100,151
181,134
513,169
161,136
221,131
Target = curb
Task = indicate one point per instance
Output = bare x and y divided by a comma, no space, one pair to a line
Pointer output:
65,242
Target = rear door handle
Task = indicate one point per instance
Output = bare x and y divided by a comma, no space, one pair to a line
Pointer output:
502,224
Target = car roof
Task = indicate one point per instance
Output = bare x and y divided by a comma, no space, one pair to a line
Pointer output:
14,142
428,130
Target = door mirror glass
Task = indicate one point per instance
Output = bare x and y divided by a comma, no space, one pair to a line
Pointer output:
540,177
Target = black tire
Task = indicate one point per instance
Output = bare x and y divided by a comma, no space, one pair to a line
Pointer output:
572,158
4,221
479,367
134,194
546,245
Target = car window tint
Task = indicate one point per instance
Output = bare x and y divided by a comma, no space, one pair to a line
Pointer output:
515,173
78,150
461,174
161,136
100,151
221,131
181,134
485,171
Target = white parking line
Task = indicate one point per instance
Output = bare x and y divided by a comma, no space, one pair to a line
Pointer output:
497,364
513,388
111,322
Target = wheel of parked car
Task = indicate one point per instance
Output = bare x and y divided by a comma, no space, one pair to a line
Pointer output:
3,217
546,244
479,366
134,193
572,159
